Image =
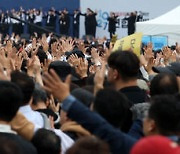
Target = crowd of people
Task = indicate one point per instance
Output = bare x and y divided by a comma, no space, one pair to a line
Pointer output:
65,95
71,96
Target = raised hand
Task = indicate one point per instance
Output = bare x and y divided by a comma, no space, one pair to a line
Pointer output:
74,60
45,45
95,55
46,65
67,45
99,78
82,68
56,50
81,47
18,61
33,66
167,54
4,60
52,104
148,52
4,75
54,85
150,64
8,46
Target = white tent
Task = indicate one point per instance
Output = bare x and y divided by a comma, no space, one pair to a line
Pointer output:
167,24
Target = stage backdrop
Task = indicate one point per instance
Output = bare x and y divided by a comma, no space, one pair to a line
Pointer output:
149,9
45,4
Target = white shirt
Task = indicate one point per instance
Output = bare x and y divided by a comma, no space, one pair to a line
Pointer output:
4,128
66,141
33,116
36,119
38,18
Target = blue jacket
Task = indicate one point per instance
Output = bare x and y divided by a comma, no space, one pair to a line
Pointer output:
119,142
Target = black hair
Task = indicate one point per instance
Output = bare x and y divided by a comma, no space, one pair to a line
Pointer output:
89,145
46,142
113,106
165,111
9,146
41,55
126,63
25,83
11,98
83,95
164,83
39,95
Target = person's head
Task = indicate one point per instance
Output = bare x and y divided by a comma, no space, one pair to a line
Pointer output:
113,106
123,65
63,69
173,68
89,11
155,145
164,83
84,96
163,116
39,96
9,146
11,98
76,11
42,56
89,145
112,14
25,83
46,142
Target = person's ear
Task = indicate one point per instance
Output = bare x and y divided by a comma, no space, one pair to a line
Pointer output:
151,126
47,102
115,74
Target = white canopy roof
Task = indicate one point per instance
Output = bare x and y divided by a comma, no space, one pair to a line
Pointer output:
167,24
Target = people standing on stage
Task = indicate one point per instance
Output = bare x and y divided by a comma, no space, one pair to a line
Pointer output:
38,20
67,21
90,22
38,17
51,20
17,25
4,23
76,16
112,24
30,19
131,23
62,23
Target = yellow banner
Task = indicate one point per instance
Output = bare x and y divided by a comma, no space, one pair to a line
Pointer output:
131,42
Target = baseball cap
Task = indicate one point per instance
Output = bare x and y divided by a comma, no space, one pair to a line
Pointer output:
155,145
171,68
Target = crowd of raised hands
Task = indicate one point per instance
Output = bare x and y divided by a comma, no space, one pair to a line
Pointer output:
18,54
162,57
88,60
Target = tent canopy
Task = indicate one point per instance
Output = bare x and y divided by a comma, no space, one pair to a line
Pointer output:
167,24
